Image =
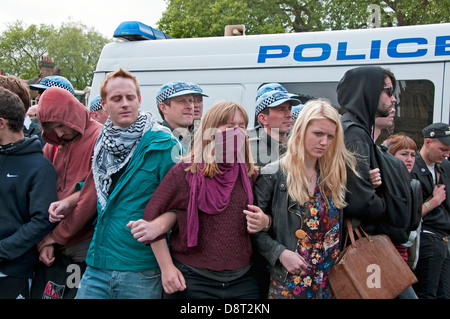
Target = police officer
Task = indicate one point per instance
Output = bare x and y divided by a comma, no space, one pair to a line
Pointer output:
432,169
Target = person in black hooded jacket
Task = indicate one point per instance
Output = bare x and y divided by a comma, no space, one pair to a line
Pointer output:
365,93
27,187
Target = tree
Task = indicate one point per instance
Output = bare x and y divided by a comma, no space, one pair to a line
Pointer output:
22,47
75,49
413,12
198,18
304,15
350,14
201,18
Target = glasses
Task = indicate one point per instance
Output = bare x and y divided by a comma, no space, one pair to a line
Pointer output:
389,90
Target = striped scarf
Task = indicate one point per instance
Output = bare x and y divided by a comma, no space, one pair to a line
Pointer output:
113,149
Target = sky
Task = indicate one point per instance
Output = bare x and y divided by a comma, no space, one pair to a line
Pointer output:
102,15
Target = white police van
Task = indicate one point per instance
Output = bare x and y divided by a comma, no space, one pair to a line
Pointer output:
310,64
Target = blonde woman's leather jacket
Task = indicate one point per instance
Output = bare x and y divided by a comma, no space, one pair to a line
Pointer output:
270,194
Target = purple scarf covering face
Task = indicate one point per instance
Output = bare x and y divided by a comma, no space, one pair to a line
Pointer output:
212,195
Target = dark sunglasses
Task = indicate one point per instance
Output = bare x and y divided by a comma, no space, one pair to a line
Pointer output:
389,90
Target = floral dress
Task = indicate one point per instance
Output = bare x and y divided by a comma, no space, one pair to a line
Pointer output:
318,244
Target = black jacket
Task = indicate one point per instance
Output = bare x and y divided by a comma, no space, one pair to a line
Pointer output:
438,220
34,129
270,194
359,93
27,187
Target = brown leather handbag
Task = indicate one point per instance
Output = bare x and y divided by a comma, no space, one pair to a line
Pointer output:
369,268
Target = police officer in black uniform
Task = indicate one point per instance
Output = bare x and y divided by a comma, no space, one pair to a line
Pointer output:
432,169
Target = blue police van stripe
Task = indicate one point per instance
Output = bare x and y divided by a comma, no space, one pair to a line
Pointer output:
395,49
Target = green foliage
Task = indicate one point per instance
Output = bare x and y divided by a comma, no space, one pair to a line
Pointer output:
200,18
75,49
22,47
350,14
413,12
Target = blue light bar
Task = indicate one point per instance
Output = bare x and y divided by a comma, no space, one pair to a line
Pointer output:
135,30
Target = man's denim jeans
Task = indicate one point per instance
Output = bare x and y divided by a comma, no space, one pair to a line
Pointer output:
112,284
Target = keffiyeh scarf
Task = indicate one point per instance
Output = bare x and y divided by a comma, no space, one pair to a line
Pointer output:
113,149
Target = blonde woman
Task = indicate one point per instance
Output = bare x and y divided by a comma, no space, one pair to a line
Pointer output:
211,192
305,196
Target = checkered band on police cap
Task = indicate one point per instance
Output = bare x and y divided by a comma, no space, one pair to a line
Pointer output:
58,82
95,104
172,89
269,98
296,111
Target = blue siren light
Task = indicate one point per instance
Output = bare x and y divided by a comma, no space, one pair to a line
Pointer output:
135,30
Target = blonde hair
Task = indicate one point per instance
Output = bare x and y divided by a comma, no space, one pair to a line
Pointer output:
203,150
332,165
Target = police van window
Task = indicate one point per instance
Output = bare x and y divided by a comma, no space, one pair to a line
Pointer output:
414,106
308,91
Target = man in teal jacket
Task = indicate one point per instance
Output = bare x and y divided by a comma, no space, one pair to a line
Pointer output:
131,156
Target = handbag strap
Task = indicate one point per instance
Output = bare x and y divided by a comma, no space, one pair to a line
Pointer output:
365,234
357,230
358,233
350,231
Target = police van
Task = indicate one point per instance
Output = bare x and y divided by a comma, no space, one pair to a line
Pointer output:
310,64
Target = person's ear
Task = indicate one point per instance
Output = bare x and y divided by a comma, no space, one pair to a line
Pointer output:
262,118
3,123
163,107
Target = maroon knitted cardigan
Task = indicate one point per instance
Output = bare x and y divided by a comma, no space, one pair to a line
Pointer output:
223,240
